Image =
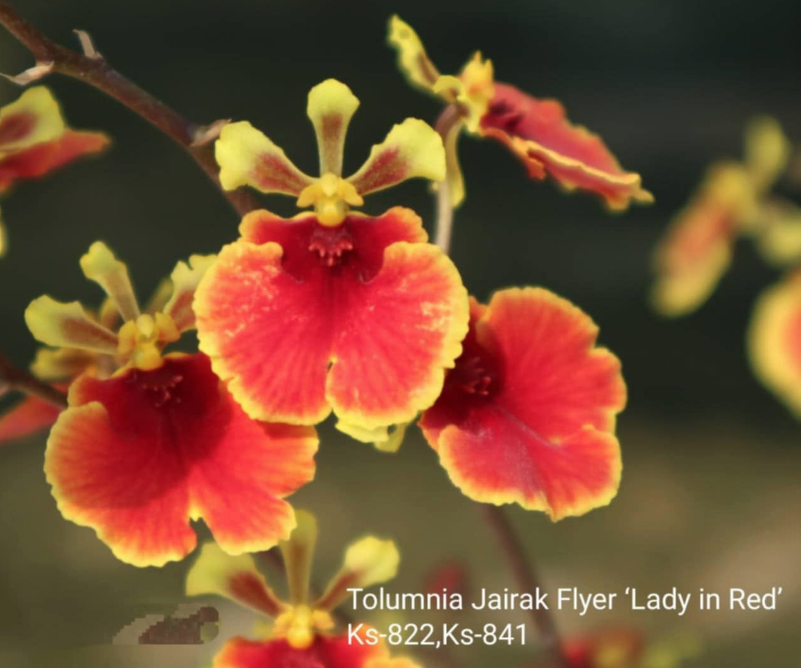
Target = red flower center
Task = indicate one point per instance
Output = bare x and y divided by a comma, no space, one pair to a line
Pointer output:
474,377
331,244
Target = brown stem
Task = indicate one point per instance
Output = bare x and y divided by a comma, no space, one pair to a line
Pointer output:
525,573
447,122
21,380
92,69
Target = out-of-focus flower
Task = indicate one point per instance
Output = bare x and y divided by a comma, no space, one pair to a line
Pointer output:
698,246
302,631
536,131
779,237
528,414
624,647
332,310
35,140
774,340
137,455
608,648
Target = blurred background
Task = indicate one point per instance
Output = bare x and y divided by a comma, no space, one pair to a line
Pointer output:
710,496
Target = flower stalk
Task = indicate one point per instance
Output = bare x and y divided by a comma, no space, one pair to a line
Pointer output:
20,380
446,123
92,69
525,573
520,564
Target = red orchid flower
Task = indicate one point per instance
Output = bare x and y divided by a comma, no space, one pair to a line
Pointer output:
137,455
35,140
300,635
527,415
536,131
332,310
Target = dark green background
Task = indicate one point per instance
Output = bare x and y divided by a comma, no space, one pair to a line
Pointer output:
710,494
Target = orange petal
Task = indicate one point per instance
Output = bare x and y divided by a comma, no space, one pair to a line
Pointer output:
293,297
528,413
41,159
29,416
774,340
539,134
138,455
325,652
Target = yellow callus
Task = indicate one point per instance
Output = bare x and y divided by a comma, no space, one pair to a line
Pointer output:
142,340
300,624
332,197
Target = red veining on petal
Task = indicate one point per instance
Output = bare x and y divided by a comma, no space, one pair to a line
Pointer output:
526,415
299,319
386,169
16,127
271,171
135,456
248,589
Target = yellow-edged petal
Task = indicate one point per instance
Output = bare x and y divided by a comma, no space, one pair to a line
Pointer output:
383,438
247,157
36,117
413,60
185,279
68,326
331,106
54,364
368,561
373,560
100,265
234,577
411,149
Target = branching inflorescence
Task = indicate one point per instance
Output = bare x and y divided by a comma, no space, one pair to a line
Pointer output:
332,311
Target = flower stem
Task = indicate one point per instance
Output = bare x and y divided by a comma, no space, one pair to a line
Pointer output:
447,122
21,380
92,69
525,573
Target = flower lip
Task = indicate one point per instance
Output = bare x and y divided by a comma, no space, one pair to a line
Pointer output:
528,413
368,289
138,455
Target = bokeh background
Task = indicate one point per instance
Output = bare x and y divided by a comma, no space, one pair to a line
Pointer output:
711,495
